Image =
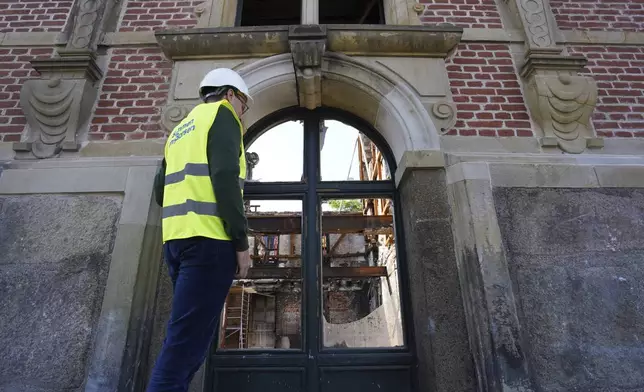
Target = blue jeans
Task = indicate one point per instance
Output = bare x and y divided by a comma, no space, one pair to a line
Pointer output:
202,270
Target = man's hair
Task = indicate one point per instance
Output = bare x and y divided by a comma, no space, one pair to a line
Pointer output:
214,94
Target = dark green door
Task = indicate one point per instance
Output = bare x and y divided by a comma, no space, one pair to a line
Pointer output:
323,308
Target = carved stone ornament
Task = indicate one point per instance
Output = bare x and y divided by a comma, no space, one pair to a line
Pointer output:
444,115
562,103
88,23
535,16
173,114
308,43
58,105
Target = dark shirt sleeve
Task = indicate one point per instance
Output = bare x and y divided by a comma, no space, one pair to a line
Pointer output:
223,150
159,183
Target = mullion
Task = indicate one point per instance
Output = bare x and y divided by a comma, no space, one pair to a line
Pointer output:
276,190
311,243
358,188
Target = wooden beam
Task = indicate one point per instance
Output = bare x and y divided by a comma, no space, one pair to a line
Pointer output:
328,272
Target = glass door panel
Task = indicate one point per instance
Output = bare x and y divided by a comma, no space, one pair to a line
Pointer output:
277,154
347,154
263,311
361,305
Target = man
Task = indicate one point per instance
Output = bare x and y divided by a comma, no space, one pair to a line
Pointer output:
199,185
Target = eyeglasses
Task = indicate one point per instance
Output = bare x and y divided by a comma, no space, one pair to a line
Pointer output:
243,100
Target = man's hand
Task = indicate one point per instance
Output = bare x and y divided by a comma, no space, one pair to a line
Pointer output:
243,264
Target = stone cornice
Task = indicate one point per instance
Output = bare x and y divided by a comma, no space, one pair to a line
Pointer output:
508,36
408,41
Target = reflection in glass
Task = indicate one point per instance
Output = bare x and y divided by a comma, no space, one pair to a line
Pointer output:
277,155
264,310
361,291
348,155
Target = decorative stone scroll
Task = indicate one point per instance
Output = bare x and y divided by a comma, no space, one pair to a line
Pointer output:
308,44
59,104
444,115
174,113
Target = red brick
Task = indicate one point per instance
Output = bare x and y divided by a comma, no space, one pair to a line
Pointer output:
148,110
116,136
505,132
11,138
118,128
612,15
154,135
11,128
491,98
524,133
37,16
152,15
467,132
487,132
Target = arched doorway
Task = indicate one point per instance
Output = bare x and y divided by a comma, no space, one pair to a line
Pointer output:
325,306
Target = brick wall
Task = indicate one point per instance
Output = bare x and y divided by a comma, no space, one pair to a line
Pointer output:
33,15
14,70
463,13
619,72
487,93
625,15
133,93
154,15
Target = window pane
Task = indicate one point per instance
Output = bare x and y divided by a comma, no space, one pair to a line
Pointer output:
270,12
348,155
277,154
361,290
351,12
264,310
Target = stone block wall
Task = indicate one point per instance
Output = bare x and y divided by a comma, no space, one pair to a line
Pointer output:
53,273
575,258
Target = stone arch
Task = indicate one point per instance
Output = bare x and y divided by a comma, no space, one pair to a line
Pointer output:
365,88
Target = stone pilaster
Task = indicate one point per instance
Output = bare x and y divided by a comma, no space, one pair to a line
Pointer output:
560,100
403,12
216,13
58,105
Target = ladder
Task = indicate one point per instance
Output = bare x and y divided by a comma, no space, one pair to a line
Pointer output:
237,316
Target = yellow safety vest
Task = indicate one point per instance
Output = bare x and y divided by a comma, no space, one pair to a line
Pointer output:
189,202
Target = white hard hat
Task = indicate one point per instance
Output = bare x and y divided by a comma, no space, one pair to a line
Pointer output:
224,77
